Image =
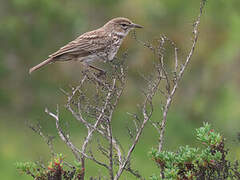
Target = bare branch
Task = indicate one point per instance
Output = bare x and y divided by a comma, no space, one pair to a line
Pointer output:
47,139
107,101
146,117
62,135
109,129
66,139
180,75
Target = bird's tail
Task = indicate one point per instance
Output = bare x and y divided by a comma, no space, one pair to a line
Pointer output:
40,65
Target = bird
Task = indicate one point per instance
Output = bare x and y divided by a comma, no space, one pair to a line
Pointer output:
98,45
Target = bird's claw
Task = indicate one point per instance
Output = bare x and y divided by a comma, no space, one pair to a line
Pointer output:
101,74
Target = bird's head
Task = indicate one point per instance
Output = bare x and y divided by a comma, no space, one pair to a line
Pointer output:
121,26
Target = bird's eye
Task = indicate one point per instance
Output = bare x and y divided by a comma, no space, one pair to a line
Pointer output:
124,25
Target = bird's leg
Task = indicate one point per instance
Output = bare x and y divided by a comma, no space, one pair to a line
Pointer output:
96,68
100,71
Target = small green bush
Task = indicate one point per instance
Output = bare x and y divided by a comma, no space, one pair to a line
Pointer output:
56,170
190,163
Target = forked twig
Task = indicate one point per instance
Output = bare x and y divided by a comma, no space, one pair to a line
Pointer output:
179,75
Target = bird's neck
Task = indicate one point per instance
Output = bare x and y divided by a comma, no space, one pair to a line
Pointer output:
120,35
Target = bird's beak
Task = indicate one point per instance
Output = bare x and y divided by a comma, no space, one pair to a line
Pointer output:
136,25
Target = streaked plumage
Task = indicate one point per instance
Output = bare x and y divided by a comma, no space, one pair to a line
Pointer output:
100,44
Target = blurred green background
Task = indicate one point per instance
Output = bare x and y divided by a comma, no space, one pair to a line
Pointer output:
30,30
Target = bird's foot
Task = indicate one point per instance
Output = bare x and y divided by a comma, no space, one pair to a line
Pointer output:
100,71
101,74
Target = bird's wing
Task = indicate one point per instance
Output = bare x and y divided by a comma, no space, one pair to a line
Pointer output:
85,44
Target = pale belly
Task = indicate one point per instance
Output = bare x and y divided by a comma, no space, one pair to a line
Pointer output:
113,53
107,55
114,48
89,58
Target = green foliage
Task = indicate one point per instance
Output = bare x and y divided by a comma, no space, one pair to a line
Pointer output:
190,163
54,170
207,136
30,168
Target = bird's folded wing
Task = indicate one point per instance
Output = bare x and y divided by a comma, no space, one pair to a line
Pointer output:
84,45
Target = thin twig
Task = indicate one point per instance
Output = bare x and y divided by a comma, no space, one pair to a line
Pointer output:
66,139
146,117
179,76
62,135
48,139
